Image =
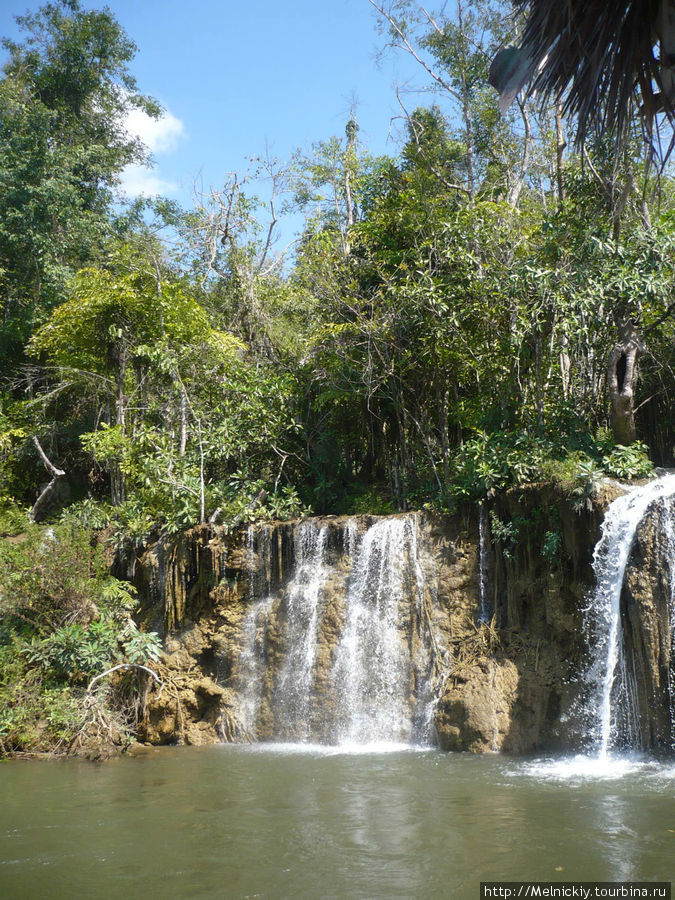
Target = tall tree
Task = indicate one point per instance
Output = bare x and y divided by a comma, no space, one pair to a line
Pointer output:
64,94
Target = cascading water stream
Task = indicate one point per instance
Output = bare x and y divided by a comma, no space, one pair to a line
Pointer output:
294,689
484,611
341,653
669,548
603,617
252,658
372,670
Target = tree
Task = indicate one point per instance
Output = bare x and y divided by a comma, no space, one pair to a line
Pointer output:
63,97
167,404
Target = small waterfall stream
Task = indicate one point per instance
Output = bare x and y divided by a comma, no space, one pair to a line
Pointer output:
610,679
669,537
294,688
252,659
485,606
372,668
340,653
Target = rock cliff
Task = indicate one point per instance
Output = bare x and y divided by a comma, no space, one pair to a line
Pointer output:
647,612
242,663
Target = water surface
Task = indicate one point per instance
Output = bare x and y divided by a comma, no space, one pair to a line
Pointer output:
277,821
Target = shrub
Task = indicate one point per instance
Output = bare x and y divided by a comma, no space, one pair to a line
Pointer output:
63,620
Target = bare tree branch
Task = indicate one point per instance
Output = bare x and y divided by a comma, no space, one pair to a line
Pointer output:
54,472
124,666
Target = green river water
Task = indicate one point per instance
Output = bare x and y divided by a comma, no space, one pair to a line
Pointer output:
229,821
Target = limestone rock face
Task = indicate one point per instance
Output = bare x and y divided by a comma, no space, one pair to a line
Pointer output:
226,606
648,630
247,660
514,682
475,712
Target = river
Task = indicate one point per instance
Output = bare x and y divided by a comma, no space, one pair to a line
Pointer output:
283,821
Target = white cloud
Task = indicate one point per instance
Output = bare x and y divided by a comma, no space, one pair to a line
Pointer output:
136,180
161,136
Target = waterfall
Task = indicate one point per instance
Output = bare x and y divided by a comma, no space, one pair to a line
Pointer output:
373,666
669,537
340,653
609,678
484,607
252,661
294,689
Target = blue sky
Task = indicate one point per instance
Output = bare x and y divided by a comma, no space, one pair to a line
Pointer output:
236,77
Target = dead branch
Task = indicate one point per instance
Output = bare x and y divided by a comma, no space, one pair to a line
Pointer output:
53,471
124,666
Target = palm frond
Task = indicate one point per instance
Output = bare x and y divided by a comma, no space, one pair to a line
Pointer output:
599,56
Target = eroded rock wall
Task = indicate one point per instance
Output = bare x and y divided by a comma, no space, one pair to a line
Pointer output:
647,610
517,692
508,683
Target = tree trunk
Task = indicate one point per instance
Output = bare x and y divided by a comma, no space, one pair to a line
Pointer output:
466,105
117,477
622,374
560,145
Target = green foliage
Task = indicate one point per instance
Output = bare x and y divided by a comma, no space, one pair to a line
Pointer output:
34,714
63,98
200,411
577,473
13,519
88,514
504,533
496,461
235,499
141,647
74,652
286,504
628,462
364,499
552,545
63,620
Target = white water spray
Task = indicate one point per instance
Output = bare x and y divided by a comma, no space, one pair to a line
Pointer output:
296,679
373,685
373,666
604,614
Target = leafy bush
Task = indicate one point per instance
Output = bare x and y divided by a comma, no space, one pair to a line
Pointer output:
13,519
141,646
552,544
366,499
497,461
628,462
493,462
504,533
88,513
74,652
63,620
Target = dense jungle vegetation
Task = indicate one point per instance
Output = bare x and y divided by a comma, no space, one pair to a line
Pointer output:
452,320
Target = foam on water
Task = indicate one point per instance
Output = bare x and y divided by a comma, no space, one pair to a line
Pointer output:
346,749
582,768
